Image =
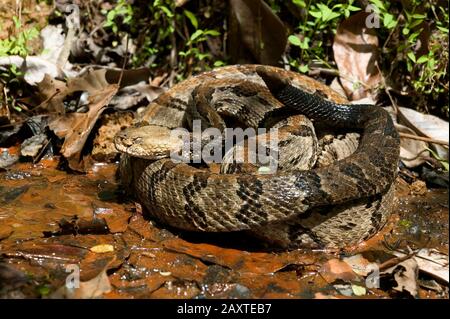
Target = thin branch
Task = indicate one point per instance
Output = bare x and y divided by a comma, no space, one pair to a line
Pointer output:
386,89
425,139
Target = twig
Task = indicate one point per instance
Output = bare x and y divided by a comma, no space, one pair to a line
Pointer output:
47,100
386,89
425,139
396,260
125,60
41,152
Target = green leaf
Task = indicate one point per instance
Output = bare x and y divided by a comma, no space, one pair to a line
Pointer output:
389,21
405,31
196,34
305,43
414,24
303,68
166,10
17,23
300,3
213,33
379,4
411,56
191,18
353,8
442,29
422,59
294,40
316,14
331,15
219,63
419,16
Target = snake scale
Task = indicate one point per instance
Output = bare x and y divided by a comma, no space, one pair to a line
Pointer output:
336,205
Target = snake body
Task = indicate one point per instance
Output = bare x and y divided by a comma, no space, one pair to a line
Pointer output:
328,206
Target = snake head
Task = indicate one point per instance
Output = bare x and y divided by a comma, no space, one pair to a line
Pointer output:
148,142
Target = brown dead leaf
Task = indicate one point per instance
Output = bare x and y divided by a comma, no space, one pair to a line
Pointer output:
427,125
355,52
52,93
76,128
102,248
5,231
93,288
431,262
413,153
256,33
405,275
335,269
359,264
117,221
127,77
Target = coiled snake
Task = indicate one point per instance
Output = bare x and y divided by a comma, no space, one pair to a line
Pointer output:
335,205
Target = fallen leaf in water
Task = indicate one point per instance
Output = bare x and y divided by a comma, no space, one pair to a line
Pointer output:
405,275
358,290
10,279
432,262
359,264
319,295
355,50
5,231
31,146
92,288
7,157
117,221
103,248
254,27
335,269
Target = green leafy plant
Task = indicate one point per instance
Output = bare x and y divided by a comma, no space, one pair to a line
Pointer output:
316,29
122,10
18,42
196,39
417,25
165,34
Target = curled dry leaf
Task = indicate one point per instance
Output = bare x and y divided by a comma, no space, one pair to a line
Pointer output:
413,152
52,93
405,275
427,125
431,262
355,52
75,127
255,28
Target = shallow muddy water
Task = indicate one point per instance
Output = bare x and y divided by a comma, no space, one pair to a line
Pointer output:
50,220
